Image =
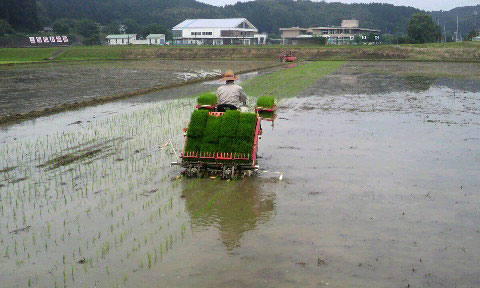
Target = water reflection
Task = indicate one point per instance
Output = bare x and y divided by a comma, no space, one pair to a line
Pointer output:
418,83
373,83
234,207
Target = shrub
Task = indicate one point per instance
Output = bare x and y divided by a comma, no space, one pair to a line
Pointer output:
207,99
198,121
266,101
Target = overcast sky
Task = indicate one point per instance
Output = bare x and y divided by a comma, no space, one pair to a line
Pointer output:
422,4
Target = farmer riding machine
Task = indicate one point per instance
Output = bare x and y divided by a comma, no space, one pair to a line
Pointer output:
223,144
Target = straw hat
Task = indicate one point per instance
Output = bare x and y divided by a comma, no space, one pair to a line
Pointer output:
229,75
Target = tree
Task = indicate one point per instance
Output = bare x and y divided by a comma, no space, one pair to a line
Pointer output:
371,38
422,29
61,27
5,28
321,40
132,26
387,39
20,14
471,35
156,29
87,28
405,40
113,28
357,39
92,40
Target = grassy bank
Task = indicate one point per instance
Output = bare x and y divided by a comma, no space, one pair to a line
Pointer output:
25,55
290,82
466,51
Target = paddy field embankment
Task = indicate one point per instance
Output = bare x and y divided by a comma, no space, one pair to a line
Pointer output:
452,52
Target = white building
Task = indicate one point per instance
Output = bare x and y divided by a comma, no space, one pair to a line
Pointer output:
238,31
131,39
156,39
344,34
121,39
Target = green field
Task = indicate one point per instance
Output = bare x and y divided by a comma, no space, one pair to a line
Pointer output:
21,55
465,51
290,82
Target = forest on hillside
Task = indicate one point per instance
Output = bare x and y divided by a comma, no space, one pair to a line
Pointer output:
266,15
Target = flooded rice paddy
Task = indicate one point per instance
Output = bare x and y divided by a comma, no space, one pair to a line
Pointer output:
33,87
380,189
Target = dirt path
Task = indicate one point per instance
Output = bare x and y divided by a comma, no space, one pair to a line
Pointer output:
57,53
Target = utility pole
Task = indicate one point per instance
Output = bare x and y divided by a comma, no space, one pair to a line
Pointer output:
445,32
456,34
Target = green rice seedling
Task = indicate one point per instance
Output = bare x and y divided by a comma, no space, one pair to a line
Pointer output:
246,127
229,125
149,260
243,147
266,114
198,121
211,130
193,144
225,144
209,148
207,99
266,101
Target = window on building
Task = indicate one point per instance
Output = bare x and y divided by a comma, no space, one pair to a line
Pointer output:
177,33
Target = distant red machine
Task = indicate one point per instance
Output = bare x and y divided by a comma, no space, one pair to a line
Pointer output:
287,57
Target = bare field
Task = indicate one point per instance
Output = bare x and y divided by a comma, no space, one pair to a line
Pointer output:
25,88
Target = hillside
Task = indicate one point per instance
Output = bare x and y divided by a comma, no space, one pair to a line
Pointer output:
466,19
267,15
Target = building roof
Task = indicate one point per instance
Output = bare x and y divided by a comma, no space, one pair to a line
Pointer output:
121,36
153,36
293,29
347,28
213,23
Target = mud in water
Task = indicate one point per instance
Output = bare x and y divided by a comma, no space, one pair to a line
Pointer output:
34,87
379,189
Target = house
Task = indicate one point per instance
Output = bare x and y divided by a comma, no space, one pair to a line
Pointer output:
156,39
131,39
121,39
296,35
236,31
344,34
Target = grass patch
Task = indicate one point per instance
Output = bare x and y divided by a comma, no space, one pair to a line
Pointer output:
23,55
266,101
92,53
207,99
290,82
